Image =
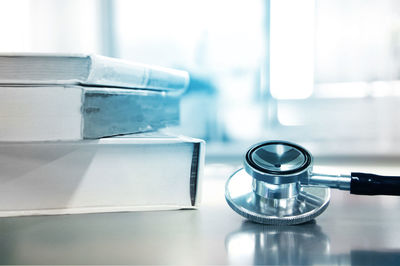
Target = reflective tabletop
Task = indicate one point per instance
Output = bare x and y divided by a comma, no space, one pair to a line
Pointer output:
354,230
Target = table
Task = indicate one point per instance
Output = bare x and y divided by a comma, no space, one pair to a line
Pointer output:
354,230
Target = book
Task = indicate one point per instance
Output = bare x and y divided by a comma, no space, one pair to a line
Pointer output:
106,175
71,112
92,70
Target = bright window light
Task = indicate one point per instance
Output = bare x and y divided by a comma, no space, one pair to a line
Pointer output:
292,48
14,25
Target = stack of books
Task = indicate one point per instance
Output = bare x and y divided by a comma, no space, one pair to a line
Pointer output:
80,134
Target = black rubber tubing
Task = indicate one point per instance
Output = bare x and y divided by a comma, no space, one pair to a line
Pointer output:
371,184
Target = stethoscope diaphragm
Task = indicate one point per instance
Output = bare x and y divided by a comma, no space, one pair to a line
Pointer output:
277,185
300,208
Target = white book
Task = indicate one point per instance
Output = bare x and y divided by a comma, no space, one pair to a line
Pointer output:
71,112
105,175
36,68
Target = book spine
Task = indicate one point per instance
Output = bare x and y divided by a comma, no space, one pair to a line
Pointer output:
119,73
115,112
198,161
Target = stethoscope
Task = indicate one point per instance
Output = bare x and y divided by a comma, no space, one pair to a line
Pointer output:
277,185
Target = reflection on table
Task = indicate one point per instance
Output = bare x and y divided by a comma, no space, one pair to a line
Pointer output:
304,244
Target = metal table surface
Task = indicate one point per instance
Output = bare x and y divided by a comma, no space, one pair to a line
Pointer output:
354,230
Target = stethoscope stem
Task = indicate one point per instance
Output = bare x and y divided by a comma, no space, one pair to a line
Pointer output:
333,181
358,183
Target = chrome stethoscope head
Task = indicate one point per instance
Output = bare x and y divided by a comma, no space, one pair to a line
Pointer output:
277,185
269,189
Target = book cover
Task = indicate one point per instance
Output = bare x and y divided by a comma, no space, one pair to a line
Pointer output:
92,70
106,175
49,113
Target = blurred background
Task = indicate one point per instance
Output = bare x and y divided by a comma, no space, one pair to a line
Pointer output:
325,74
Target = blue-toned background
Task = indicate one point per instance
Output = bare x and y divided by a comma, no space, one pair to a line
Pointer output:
322,73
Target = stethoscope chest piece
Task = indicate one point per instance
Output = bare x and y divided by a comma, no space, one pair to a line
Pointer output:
270,188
